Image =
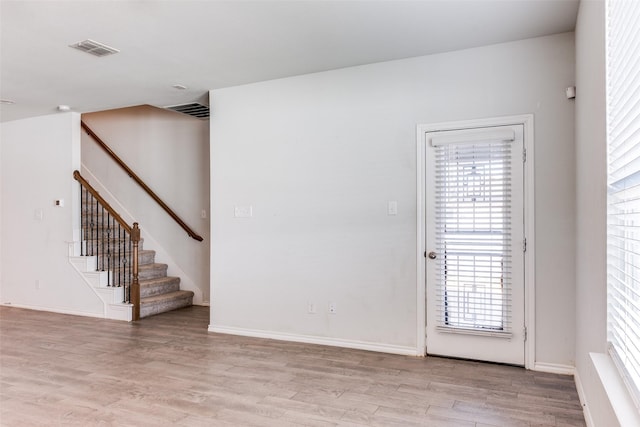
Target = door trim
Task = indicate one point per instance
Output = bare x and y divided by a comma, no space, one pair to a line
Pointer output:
529,224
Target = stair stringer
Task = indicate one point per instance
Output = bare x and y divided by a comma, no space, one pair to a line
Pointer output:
186,283
85,266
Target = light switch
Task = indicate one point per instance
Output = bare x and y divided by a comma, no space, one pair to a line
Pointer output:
243,212
392,208
38,214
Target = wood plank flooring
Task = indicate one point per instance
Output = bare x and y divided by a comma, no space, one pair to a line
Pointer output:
168,370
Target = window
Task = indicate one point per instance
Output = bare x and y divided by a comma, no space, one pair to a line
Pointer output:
623,188
473,192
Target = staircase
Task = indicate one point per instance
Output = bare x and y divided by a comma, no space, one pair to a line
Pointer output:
112,270
109,270
159,293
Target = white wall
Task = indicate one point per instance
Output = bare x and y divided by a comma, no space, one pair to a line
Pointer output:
595,377
1,213
38,158
591,206
170,152
318,156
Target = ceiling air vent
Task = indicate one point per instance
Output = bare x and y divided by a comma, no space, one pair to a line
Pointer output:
193,109
94,48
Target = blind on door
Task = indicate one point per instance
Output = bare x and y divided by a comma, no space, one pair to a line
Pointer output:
623,188
473,231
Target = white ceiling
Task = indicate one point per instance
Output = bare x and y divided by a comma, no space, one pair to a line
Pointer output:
213,44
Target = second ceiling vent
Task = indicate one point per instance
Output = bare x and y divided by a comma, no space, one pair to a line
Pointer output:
193,109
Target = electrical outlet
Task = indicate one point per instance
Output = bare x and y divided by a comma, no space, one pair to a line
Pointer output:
243,211
311,308
333,309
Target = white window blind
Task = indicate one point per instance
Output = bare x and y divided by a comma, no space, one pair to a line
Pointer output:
623,182
473,232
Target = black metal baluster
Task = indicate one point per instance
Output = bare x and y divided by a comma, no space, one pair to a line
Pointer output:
87,236
124,256
93,226
130,258
81,218
87,221
124,282
108,254
123,245
127,290
119,239
102,237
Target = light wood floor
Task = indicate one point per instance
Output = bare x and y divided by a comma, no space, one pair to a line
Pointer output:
168,370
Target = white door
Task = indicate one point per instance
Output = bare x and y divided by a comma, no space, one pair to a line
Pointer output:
475,243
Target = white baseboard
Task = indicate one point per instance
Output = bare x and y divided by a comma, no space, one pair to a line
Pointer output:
120,311
55,310
585,409
309,339
554,368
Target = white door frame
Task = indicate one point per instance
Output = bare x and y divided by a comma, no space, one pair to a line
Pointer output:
529,225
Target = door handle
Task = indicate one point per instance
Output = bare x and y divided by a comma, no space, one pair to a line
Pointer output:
432,255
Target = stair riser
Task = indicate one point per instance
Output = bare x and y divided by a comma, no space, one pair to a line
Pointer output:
109,233
152,273
88,223
144,258
98,216
98,219
112,244
160,288
91,208
146,274
100,232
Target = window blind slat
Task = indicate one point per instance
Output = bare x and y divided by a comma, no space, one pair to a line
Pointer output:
473,231
623,187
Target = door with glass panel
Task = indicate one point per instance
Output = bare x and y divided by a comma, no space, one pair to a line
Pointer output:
475,243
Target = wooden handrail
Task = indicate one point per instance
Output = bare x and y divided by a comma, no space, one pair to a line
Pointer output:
103,202
141,183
